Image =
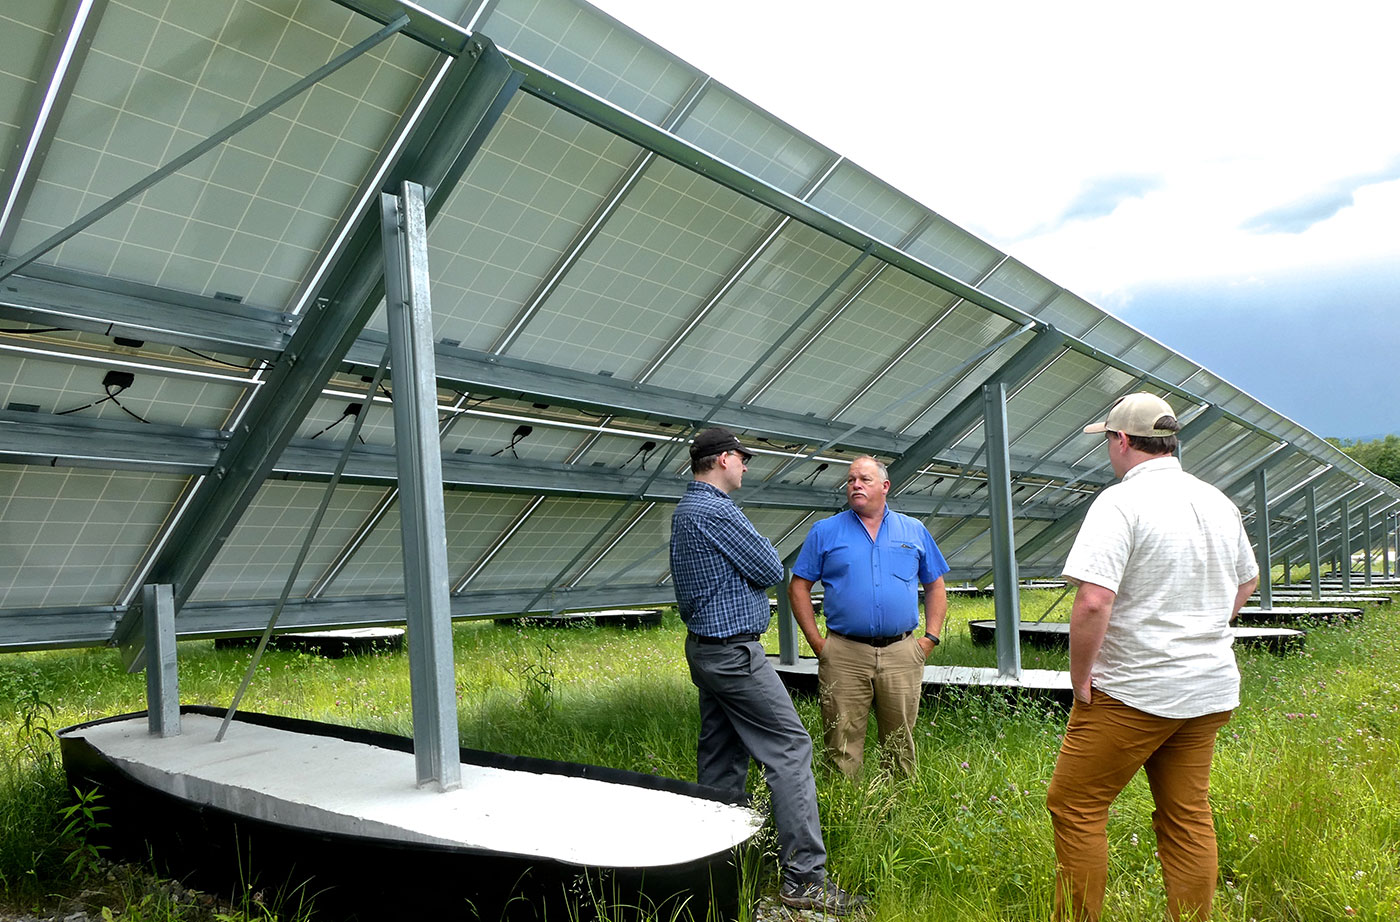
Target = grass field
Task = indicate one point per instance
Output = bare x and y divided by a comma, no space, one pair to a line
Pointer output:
1306,783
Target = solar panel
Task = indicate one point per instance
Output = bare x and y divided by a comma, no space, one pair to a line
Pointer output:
620,251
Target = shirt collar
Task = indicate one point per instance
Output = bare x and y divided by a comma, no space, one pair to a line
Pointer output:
702,486
1164,463
883,516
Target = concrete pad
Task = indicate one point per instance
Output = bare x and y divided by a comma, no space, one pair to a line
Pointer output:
1347,600
1055,635
802,676
1252,614
348,788
333,644
615,617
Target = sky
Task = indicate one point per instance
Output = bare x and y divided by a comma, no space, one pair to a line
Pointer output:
1224,176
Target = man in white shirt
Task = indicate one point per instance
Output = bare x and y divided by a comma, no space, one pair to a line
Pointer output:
1162,564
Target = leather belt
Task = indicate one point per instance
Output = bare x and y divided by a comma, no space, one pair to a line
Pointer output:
732,638
872,641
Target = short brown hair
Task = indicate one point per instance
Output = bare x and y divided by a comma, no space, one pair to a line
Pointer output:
701,465
1157,444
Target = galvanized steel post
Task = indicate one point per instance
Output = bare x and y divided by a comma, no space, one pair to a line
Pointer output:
1366,538
1005,582
404,231
1344,544
1261,548
787,634
1314,552
162,671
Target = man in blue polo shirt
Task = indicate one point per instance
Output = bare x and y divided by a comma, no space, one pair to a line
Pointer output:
871,560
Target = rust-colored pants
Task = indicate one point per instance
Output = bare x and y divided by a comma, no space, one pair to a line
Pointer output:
1103,748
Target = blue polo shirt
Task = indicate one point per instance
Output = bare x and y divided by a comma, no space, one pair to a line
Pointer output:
872,587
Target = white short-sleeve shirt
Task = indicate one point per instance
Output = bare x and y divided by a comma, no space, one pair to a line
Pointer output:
1174,550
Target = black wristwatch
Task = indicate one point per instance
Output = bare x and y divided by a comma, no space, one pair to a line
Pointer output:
932,637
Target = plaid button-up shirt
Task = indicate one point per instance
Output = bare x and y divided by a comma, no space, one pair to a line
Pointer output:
720,564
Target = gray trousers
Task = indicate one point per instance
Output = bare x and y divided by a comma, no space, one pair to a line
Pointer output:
746,712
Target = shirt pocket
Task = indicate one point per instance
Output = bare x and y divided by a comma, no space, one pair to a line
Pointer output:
904,563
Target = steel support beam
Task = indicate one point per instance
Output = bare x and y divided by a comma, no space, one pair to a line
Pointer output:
1366,540
1043,346
1385,546
1261,532
1344,544
72,300
408,308
45,107
482,373
1383,523
68,441
50,629
423,26
162,668
787,625
1314,552
1006,595
471,99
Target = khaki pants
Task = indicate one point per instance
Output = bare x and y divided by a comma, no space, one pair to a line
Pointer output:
1103,748
852,675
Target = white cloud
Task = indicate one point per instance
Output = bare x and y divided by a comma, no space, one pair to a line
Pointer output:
1000,115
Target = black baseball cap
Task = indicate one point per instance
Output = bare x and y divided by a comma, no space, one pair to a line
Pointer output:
716,441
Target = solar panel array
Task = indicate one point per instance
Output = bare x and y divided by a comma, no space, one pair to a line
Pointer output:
627,250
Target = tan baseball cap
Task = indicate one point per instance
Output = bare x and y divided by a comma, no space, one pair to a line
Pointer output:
1140,415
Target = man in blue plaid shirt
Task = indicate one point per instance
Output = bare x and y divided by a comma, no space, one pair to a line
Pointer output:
722,568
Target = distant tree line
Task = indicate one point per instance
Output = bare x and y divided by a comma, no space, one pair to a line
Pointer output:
1380,455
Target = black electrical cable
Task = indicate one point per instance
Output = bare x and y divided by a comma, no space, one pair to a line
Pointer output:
461,395
350,410
113,397
112,391
515,437
260,366
645,451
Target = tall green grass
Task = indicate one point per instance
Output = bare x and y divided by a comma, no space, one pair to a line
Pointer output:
1305,782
